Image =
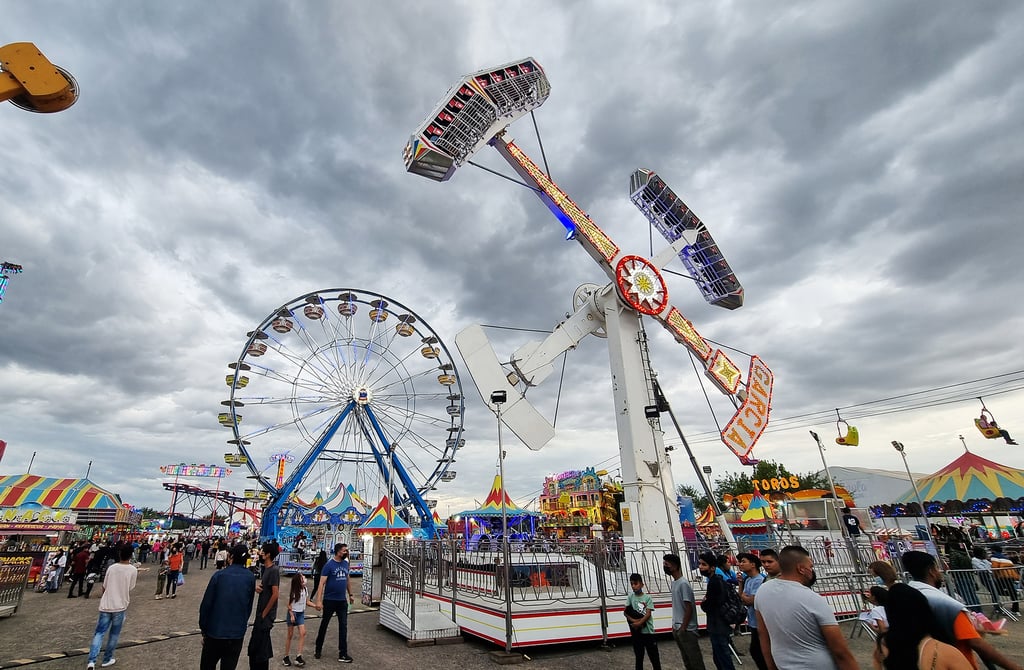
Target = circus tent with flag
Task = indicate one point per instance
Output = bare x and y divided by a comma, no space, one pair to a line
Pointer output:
970,481
383,520
486,519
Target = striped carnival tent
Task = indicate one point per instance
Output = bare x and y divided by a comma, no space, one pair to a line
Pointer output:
383,520
970,478
94,505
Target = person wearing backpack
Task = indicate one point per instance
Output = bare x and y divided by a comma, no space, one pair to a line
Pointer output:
716,604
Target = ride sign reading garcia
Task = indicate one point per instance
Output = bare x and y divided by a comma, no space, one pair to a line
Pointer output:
750,420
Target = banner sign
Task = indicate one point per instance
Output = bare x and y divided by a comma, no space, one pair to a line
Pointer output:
38,515
14,571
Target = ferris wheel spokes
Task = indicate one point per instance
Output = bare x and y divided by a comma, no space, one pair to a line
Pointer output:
327,359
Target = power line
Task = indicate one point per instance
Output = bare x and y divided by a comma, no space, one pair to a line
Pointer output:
906,402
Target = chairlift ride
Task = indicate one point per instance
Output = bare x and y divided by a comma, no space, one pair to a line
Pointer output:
851,437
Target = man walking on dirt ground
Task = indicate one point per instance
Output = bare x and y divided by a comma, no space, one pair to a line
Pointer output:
684,614
331,599
224,612
261,649
117,585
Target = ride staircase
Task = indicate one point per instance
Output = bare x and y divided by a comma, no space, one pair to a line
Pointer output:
404,611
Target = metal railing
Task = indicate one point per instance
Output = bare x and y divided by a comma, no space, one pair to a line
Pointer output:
569,573
400,583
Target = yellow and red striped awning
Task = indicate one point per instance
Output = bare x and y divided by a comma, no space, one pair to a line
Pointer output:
66,493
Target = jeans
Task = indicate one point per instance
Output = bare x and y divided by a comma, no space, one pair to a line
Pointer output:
755,650
689,647
720,651
225,651
111,621
339,607
645,642
77,578
172,582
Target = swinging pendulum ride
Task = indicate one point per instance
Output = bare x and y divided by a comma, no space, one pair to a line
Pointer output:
475,114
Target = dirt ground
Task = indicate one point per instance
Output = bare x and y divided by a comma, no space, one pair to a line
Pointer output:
163,635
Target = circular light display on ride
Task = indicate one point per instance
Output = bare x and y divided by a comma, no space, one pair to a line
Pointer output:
641,285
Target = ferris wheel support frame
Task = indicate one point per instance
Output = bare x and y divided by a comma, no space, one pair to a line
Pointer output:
426,517
280,496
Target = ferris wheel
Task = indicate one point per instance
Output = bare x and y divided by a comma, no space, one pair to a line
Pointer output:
361,391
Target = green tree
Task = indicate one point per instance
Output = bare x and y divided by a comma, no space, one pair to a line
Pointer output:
700,501
733,484
736,484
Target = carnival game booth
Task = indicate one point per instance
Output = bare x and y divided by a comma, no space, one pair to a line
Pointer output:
975,498
481,527
382,524
42,514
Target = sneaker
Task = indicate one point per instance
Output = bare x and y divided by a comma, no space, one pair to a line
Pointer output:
159,598
316,654
91,666
344,659
286,661
299,662
174,595
107,664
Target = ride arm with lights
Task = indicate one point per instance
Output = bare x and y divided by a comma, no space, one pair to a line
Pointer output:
753,399
29,80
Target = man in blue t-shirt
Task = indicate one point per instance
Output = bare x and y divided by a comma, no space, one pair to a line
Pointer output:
751,580
334,597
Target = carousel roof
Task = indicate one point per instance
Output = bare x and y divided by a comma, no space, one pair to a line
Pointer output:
969,477
79,494
492,505
384,521
341,500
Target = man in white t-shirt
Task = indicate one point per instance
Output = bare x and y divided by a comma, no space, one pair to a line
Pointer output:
796,626
117,585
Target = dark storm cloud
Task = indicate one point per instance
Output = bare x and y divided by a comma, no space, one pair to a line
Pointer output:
859,164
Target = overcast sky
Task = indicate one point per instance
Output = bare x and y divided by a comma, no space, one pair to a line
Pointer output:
860,164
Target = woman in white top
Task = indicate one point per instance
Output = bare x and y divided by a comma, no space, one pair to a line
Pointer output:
298,598
221,557
876,618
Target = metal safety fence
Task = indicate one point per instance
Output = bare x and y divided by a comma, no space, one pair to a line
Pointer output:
555,574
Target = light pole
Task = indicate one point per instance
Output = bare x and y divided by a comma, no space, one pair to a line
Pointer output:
851,545
498,399
900,448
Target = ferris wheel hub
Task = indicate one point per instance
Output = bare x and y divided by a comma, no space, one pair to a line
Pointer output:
362,395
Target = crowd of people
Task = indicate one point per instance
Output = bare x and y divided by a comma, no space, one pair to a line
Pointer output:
792,627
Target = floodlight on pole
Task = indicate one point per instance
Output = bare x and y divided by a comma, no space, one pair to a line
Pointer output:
498,398
850,543
898,446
